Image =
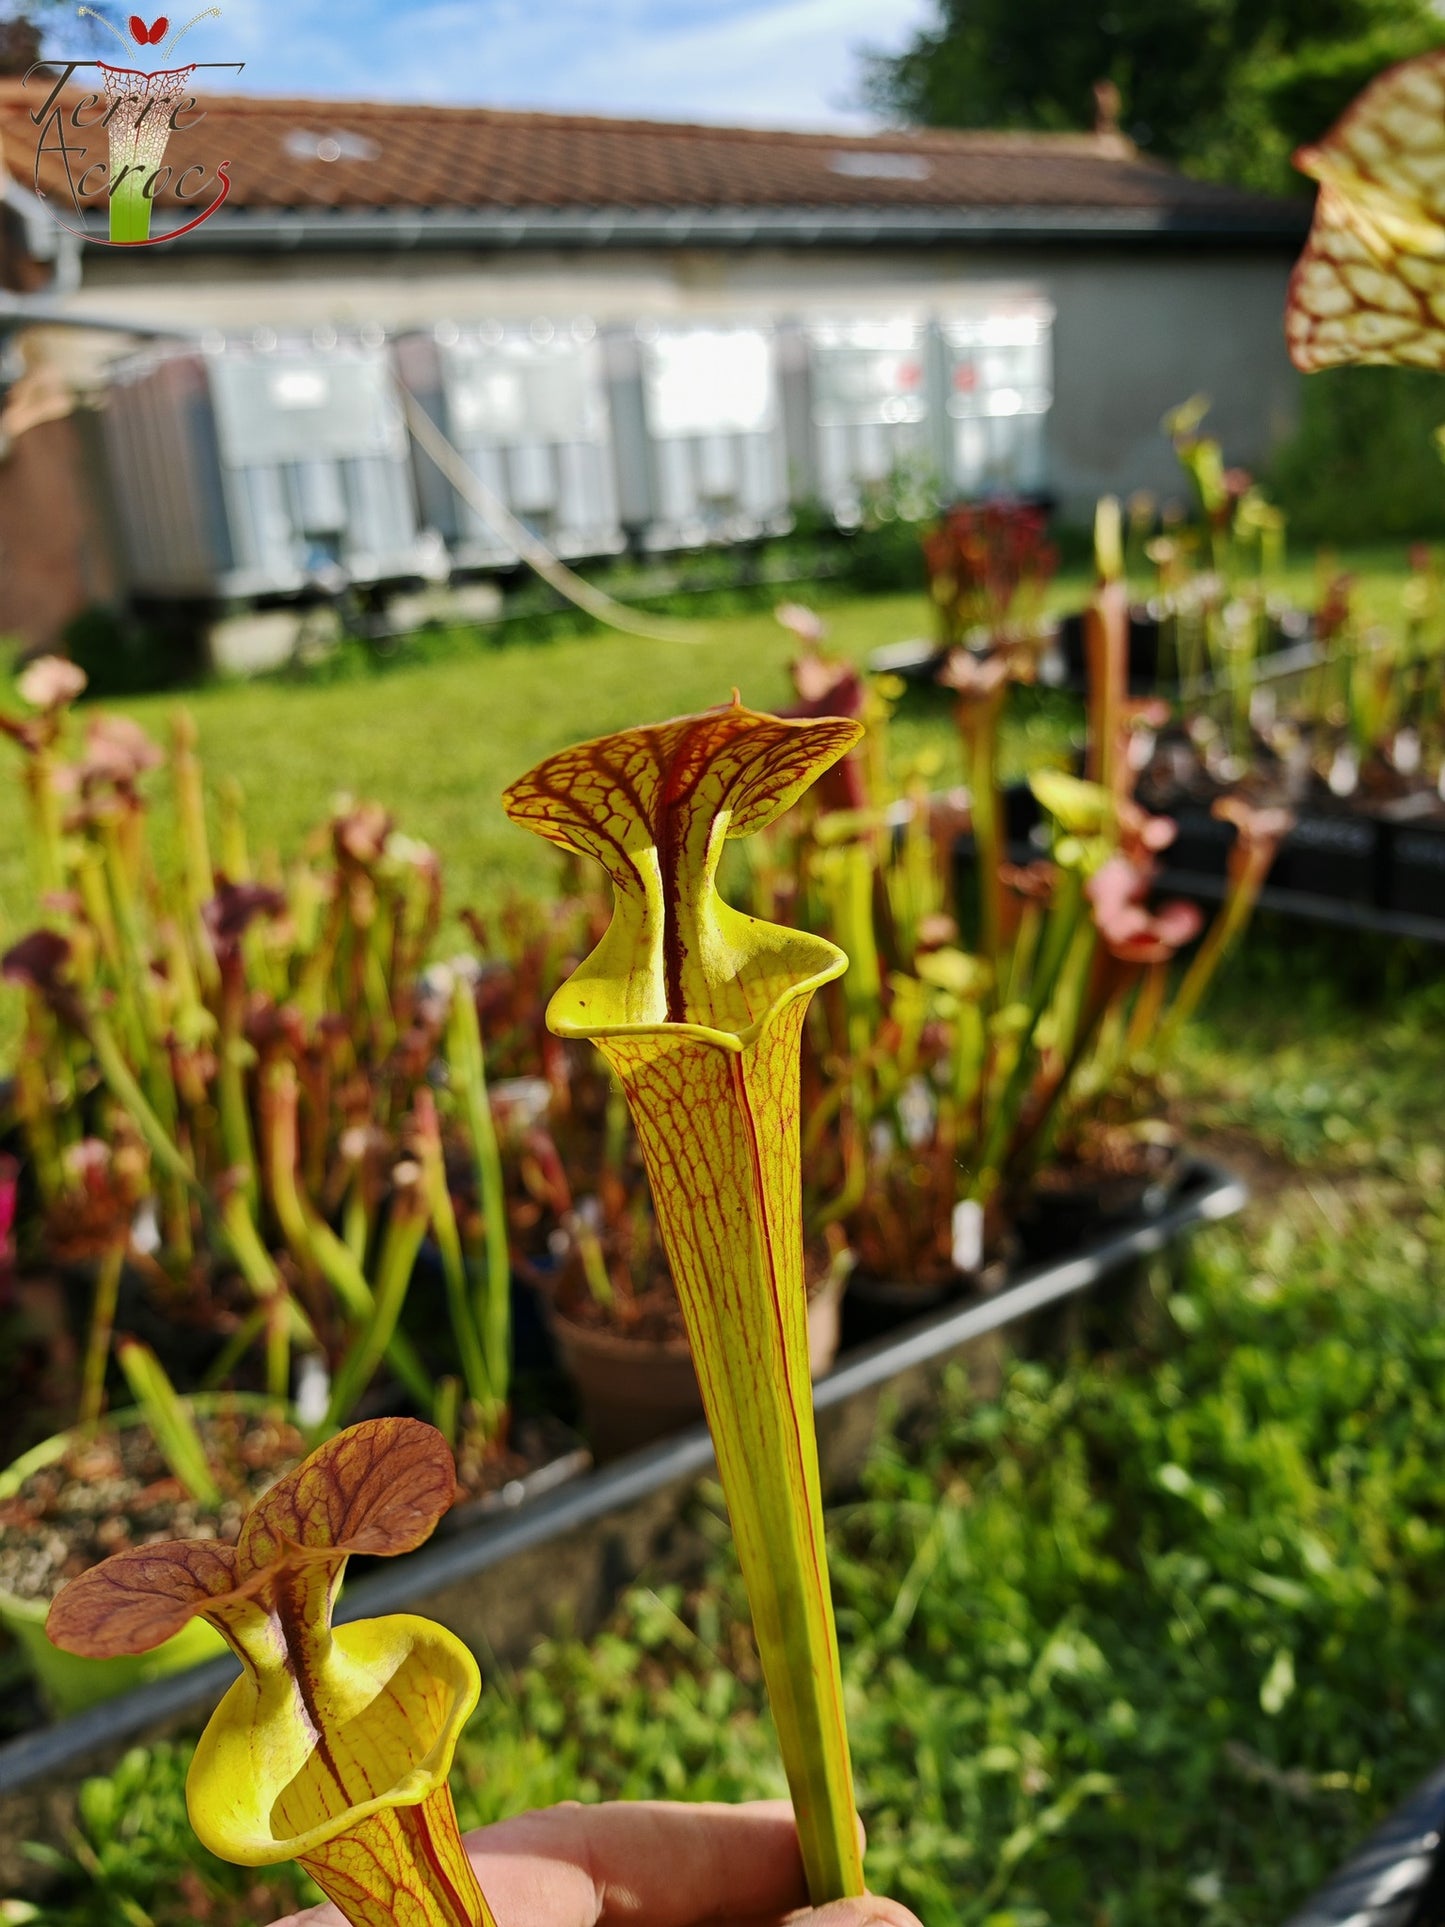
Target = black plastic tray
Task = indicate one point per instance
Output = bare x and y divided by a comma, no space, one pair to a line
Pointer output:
919,659
1395,1878
618,1512
1336,912
1362,873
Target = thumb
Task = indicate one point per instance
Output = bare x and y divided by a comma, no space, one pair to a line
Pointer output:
867,1911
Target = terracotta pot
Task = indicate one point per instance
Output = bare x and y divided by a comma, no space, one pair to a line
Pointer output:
635,1391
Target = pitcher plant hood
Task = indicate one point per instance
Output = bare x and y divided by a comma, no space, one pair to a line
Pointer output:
654,806
1370,285
334,1746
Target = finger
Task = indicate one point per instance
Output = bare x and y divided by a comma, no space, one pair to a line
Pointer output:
869,1911
645,1863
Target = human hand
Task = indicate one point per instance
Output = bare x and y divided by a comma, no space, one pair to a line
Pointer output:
650,1864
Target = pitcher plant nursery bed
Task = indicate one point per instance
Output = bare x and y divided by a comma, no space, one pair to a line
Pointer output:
268,1148
477,1574
257,1156
699,1012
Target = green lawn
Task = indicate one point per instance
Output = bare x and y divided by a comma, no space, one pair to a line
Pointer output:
437,741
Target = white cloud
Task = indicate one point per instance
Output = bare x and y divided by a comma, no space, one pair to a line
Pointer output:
779,62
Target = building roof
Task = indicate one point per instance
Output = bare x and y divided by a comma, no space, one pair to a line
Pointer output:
299,168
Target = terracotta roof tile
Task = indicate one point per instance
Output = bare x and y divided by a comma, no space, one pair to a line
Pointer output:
311,154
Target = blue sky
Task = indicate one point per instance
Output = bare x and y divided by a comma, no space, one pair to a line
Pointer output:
771,62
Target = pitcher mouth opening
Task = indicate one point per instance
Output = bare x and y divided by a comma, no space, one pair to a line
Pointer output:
395,1752
576,1009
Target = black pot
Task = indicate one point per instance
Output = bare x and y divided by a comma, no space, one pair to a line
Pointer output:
1051,1225
1022,813
1415,872
1145,641
187,1348
876,1306
1201,849
1336,856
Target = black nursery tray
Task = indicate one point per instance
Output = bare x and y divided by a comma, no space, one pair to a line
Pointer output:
1293,652
501,1582
919,660
1353,872
1396,1878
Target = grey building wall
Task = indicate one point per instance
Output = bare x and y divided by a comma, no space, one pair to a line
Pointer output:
1138,328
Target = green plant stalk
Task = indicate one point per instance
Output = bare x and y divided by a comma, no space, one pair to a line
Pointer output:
855,1186
258,1268
64,1054
356,1218
131,964
1037,1147
198,877
1106,648
1223,934
1061,935
45,815
89,869
760,1412
594,1268
1068,1007
918,874
310,993
400,1245
979,720
102,1329
235,857
36,1114
468,1068
446,1414
454,1271
315,1245
171,1424
970,1053
845,874
127,1092
378,992
232,1055
1025,953
1147,1012
256,1322
237,1224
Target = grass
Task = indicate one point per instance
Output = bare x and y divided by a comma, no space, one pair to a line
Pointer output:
436,740
1156,1634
